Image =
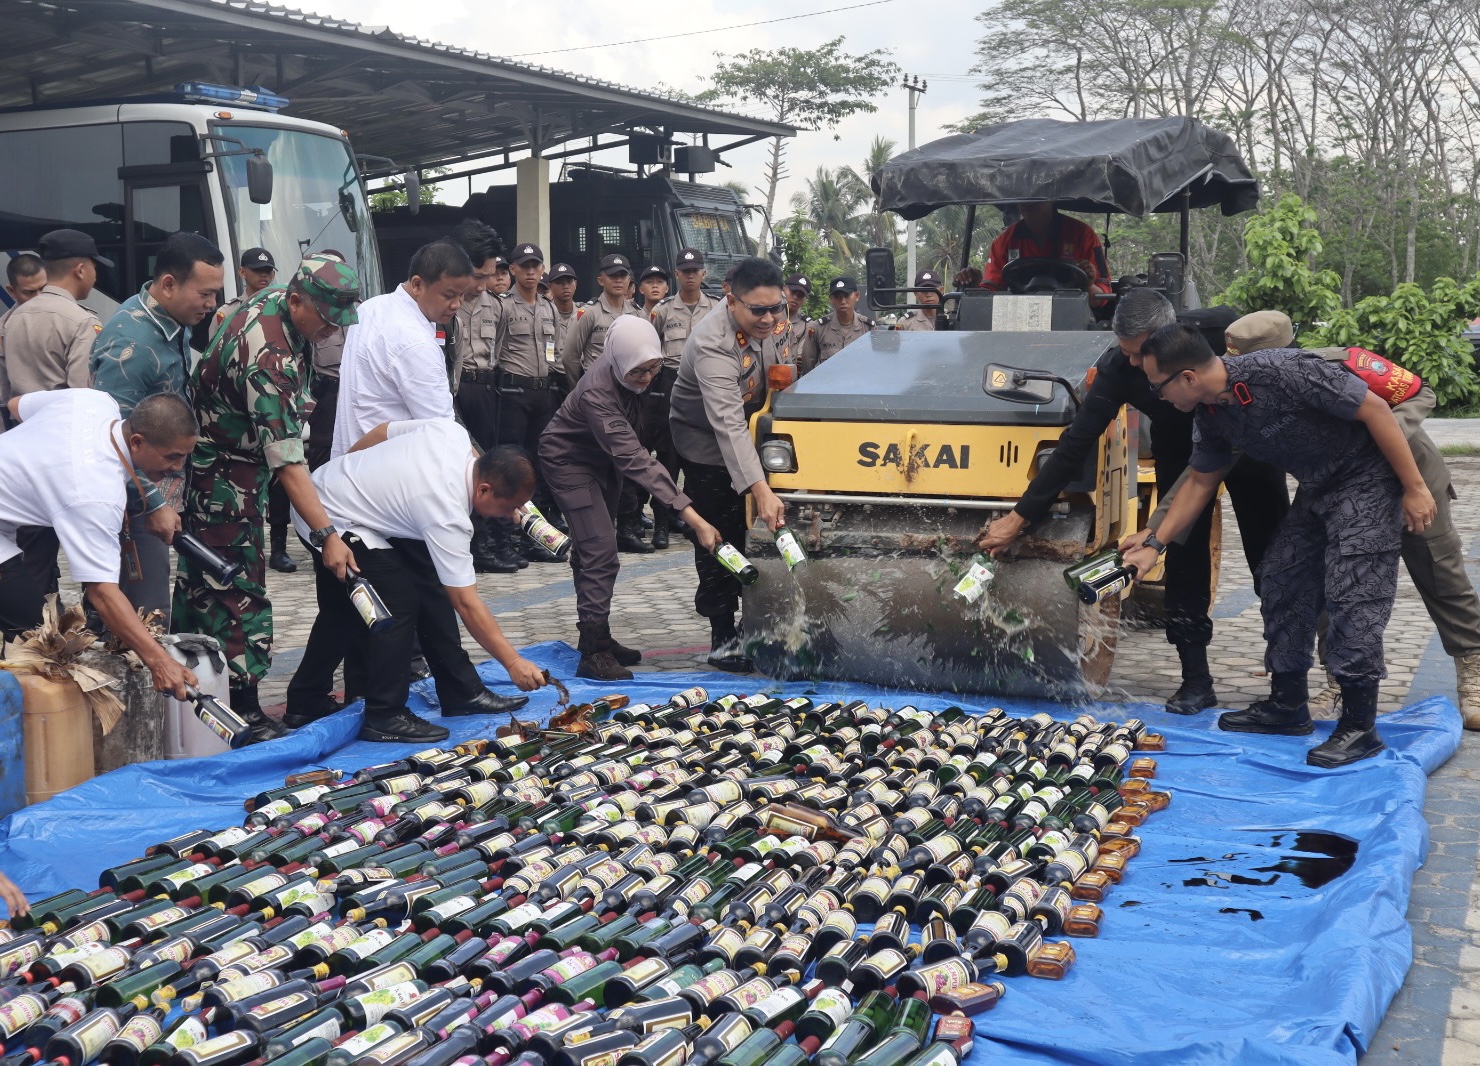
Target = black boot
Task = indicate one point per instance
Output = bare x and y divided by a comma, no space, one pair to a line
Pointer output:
1196,691
493,553
597,661
1286,712
660,526
300,715
623,654
278,557
725,650
245,703
630,537
1355,736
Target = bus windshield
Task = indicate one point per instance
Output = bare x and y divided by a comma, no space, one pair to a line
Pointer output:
317,201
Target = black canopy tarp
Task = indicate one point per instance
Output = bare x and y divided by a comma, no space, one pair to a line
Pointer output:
1133,166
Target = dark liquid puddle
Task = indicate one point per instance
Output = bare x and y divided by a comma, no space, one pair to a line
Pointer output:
1254,916
1320,859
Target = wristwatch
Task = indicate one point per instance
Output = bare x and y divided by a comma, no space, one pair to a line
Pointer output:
318,536
1152,542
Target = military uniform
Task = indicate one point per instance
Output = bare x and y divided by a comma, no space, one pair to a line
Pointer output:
249,391
828,336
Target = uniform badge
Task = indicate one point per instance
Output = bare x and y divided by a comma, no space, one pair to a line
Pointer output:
747,363
741,338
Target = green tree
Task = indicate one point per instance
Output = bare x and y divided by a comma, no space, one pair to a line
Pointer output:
392,198
804,252
1281,244
810,88
830,207
879,229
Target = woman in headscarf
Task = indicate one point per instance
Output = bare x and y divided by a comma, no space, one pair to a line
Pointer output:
586,451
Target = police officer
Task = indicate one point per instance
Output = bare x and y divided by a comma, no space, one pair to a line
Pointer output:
502,280
1339,545
562,282
47,344
25,277
257,269
247,394
652,286
526,356
843,324
798,292
721,383
1435,558
584,342
588,451
919,320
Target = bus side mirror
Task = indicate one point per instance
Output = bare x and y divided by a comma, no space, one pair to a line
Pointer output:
259,179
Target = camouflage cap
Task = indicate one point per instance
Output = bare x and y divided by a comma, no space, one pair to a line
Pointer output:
333,286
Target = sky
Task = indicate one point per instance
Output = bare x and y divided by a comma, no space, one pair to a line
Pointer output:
941,51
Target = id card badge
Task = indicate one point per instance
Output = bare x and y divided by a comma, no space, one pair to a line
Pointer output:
133,570
550,353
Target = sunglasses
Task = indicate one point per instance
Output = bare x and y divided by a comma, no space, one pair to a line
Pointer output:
762,310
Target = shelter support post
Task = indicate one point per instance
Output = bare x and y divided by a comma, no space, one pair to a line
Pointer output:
532,216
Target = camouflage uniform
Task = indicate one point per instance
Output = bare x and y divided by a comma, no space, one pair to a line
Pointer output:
249,391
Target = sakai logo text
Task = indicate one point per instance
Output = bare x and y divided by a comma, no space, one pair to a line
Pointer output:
930,456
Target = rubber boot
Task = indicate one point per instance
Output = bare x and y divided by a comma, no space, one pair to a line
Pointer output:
725,650
660,526
1196,691
630,537
1284,714
245,703
597,662
278,557
1355,736
1467,683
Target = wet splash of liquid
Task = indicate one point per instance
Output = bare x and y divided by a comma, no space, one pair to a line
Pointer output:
1321,857
1254,916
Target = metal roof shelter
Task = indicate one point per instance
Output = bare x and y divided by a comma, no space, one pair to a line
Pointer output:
418,102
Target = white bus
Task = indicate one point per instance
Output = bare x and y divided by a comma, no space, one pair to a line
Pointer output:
131,173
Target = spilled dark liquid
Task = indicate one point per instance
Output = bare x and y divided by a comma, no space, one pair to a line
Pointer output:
1254,916
1318,859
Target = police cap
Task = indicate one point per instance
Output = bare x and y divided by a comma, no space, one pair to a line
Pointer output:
654,271
801,283
257,259
70,244
527,253
561,271
927,279
842,286
689,259
615,264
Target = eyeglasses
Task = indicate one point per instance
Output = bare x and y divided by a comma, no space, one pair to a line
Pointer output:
1156,389
762,310
644,371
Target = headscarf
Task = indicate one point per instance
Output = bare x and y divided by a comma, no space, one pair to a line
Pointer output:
630,342
1260,332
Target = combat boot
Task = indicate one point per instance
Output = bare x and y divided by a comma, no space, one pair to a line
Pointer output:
278,558
494,554
660,526
245,703
597,662
623,654
1196,691
630,537
725,650
1467,682
1326,704
1355,736
1285,714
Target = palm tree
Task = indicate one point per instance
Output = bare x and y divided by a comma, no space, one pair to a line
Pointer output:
830,207
879,229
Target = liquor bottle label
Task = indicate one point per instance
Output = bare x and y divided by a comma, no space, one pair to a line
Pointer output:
453,907
329,1029
567,968
92,1033
258,885
832,1003
250,985
69,1010
101,965
644,971
177,949
312,935
994,923
789,549
711,986
282,1005
179,877
140,1031
730,558
547,1017
796,945
225,839
726,941
387,1050
188,1033
20,1013
379,1002
150,922
368,943
750,993
945,976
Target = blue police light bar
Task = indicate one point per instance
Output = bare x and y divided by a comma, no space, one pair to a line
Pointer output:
255,96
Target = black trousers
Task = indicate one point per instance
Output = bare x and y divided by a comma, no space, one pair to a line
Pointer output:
407,581
325,392
523,415
656,437
20,598
277,505
718,594
39,547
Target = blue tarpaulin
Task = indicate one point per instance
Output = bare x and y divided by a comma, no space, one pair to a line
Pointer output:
1262,923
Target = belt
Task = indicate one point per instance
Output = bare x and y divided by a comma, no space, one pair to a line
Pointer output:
517,381
480,377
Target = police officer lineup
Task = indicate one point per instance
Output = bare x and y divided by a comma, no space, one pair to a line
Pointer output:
482,371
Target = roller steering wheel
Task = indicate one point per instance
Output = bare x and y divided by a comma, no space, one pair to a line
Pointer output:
1019,274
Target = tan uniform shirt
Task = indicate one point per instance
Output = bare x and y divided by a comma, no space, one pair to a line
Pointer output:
721,383
915,322
527,339
48,342
587,337
675,320
564,320
479,323
827,337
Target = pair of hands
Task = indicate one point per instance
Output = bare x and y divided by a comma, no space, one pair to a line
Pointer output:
997,536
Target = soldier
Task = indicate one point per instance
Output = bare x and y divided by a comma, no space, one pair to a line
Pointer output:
798,292
652,286
928,281
833,331
249,391
47,343
584,342
144,350
1359,488
526,358
721,383
674,319
1435,559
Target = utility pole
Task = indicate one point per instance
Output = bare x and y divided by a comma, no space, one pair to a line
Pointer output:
916,88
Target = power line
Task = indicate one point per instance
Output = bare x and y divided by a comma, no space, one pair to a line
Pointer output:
700,33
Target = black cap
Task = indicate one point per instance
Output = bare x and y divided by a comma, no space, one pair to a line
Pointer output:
70,244
544,281
730,274
654,271
527,253
688,259
799,281
615,264
259,259
844,284
559,271
927,279
500,261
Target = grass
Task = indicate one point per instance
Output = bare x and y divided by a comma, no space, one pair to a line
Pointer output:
1459,449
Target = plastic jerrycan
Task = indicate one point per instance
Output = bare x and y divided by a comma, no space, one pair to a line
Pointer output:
185,736
58,736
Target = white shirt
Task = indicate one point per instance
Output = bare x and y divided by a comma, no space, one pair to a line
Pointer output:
392,370
417,485
58,469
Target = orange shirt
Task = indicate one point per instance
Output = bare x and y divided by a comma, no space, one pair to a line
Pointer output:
1068,239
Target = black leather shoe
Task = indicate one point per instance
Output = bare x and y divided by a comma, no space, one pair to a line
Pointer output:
1267,716
630,540
282,563
263,727
420,671
402,727
484,703
732,661
647,523
494,564
1347,744
538,553
660,536
298,717
602,666
1193,696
